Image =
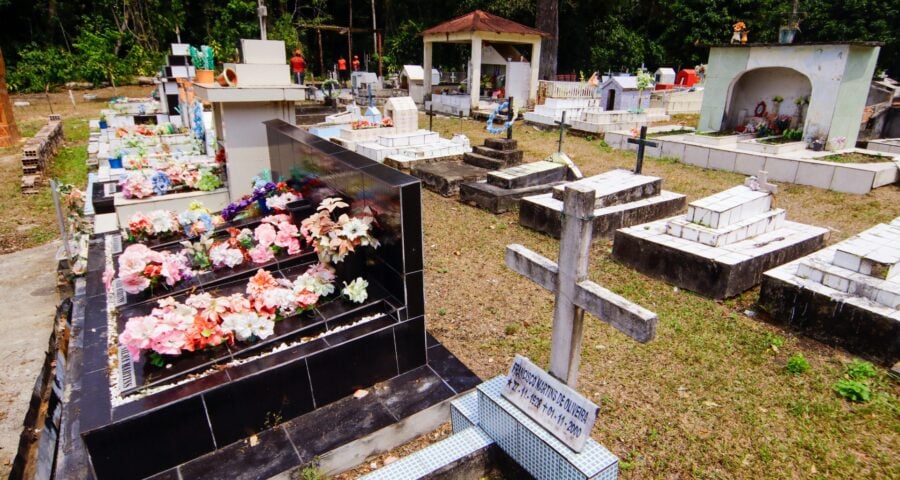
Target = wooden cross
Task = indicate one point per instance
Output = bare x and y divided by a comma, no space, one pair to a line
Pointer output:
641,142
575,294
562,129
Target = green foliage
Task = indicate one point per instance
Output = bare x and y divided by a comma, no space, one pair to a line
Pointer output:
861,370
793,135
774,341
511,329
853,390
38,67
283,29
404,46
797,364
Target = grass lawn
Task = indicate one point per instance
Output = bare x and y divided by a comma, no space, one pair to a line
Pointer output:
708,398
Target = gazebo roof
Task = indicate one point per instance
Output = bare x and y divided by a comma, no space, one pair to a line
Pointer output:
481,21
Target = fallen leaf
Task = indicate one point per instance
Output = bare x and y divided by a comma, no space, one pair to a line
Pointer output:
710,404
254,440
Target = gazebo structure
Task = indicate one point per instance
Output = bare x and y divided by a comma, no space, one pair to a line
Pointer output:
477,27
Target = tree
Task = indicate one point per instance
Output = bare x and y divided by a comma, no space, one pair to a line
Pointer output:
548,22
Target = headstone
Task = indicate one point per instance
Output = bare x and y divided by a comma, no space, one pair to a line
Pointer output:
724,243
847,294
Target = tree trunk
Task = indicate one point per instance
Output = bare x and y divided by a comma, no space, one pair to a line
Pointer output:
548,22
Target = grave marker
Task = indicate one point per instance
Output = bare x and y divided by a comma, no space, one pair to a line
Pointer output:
641,142
565,413
575,294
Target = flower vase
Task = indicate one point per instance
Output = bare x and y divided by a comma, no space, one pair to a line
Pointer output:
206,76
263,208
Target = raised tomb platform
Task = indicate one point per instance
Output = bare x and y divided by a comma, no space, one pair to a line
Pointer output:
722,246
446,177
612,120
502,189
190,418
623,199
846,295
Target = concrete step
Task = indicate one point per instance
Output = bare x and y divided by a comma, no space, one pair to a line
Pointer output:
616,187
820,270
310,118
484,162
727,235
501,144
511,157
446,177
875,252
527,175
729,206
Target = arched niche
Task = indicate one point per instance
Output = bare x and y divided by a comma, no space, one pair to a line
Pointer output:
762,85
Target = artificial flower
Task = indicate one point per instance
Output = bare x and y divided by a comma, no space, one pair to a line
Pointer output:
355,291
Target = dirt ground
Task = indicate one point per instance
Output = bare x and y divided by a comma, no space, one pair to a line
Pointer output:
28,296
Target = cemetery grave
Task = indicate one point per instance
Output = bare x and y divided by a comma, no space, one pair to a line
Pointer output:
623,198
847,294
335,340
724,243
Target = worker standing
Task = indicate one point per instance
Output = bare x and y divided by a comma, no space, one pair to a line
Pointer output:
355,63
298,66
343,73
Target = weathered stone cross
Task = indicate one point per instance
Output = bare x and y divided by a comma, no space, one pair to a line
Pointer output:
641,142
575,294
761,182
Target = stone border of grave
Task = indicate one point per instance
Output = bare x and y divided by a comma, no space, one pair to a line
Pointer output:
885,145
856,178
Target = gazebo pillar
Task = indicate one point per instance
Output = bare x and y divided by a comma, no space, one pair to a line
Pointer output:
535,68
426,66
475,73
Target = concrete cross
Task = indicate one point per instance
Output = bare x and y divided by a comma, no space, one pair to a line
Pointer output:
760,182
575,294
641,142
262,12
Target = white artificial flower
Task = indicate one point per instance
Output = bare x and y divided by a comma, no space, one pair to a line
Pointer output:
354,228
279,202
161,221
263,327
356,290
241,324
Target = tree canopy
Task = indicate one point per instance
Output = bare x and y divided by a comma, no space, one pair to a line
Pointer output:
50,41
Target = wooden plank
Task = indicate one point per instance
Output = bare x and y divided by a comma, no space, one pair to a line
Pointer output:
533,266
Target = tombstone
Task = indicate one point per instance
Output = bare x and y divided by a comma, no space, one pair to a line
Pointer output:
537,419
847,294
194,415
664,75
496,154
402,145
724,243
502,189
624,198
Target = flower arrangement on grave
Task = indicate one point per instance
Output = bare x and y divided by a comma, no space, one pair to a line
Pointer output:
205,321
333,238
198,220
180,176
160,224
141,268
257,203
78,226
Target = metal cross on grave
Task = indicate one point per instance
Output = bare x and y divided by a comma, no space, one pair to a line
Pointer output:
575,294
641,142
430,114
562,130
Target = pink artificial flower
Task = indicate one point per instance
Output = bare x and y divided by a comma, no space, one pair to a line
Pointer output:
294,247
276,219
265,234
321,272
287,233
173,267
134,283
261,253
137,334
307,298
133,260
108,275
169,343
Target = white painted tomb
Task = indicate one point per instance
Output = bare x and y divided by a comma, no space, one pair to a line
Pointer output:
724,243
847,294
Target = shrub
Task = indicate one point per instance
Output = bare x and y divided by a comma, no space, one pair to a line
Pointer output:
38,67
861,370
797,364
853,390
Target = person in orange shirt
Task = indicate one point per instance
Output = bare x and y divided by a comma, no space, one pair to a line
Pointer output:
355,63
298,66
343,73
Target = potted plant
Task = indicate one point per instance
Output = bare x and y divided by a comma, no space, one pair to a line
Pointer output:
204,63
817,144
103,124
776,100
